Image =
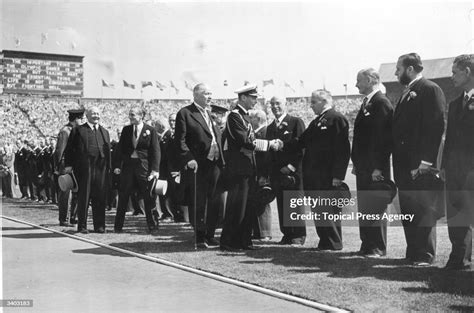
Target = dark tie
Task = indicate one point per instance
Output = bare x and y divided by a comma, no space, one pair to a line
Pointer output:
364,103
465,100
135,131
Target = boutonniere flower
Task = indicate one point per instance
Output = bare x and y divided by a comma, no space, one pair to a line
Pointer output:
411,95
283,124
322,123
146,133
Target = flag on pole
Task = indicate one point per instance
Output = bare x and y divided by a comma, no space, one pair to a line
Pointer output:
289,86
268,82
188,85
107,84
159,85
173,86
73,45
301,83
128,85
246,82
146,84
44,37
17,42
225,83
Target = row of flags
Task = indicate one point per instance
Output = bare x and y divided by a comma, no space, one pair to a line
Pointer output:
188,85
44,38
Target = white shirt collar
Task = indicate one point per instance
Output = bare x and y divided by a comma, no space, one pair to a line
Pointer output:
139,127
370,95
280,120
326,109
200,108
417,78
92,125
470,93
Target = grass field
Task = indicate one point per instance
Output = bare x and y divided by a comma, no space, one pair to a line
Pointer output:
334,278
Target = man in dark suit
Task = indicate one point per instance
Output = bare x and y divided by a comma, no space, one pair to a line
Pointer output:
282,163
20,166
199,150
458,163
76,118
240,146
138,163
262,224
88,155
371,149
325,161
418,125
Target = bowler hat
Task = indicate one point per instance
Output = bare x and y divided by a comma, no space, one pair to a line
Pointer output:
384,190
68,182
158,187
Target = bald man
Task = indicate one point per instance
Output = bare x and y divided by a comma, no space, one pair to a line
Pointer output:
87,153
286,164
198,147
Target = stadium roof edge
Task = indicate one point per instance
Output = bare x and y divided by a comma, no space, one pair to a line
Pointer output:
432,69
39,55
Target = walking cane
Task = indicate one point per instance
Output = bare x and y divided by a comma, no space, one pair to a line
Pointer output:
195,209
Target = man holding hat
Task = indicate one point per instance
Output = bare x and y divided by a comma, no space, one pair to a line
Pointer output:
138,163
371,151
418,125
240,146
88,154
76,117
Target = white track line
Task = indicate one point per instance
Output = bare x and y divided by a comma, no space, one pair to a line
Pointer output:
231,281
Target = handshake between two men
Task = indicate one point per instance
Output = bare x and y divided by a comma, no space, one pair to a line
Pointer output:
266,145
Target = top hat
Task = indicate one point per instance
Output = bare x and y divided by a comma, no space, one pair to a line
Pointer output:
68,182
158,187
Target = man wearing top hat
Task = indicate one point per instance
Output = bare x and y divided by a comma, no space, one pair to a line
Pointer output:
371,151
240,145
199,150
138,163
417,128
76,118
87,153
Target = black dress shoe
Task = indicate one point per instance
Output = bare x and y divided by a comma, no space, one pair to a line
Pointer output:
202,245
82,231
252,247
65,224
118,231
212,242
100,230
224,247
457,267
73,221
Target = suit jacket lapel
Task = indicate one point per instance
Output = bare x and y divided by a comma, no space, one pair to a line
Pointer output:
196,114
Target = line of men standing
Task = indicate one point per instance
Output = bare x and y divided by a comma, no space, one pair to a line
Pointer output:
34,168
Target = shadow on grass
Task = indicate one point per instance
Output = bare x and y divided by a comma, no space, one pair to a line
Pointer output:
345,265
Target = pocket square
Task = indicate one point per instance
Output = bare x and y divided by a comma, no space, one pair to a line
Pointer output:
286,132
